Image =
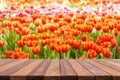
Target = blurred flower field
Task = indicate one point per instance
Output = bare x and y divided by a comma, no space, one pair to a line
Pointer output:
67,30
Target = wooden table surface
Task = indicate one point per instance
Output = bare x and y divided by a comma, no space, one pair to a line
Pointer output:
59,69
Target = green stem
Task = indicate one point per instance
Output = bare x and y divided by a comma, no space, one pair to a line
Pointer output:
60,55
76,52
114,51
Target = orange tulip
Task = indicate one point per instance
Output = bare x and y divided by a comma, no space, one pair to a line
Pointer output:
16,55
36,50
98,26
116,32
9,54
1,43
58,49
105,29
65,48
91,53
29,43
98,49
84,37
118,27
20,43
37,22
106,52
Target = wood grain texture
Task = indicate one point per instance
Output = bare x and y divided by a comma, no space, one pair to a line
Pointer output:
99,74
59,69
39,72
107,69
67,72
15,68
82,72
5,61
10,65
22,73
115,60
53,71
109,63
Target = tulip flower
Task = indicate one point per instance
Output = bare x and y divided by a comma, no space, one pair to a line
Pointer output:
106,52
1,43
36,50
91,53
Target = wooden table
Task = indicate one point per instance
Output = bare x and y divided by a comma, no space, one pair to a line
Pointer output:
59,69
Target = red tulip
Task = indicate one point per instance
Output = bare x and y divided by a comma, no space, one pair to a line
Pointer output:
2,30
56,19
91,45
76,44
118,27
33,37
116,32
37,22
60,15
98,26
43,42
106,52
25,31
67,19
98,49
1,43
52,47
43,20
17,31
84,37
118,50
71,14
20,43
113,43
36,50
17,50
65,48
89,28
58,49
28,43
34,42
76,32
27,56
15,55
91,53
41,29
79,21
9,54
105,28
85,46
111,26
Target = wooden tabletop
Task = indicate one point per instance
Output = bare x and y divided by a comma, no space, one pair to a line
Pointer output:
59,69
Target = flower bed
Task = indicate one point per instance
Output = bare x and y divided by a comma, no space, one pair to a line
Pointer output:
60,32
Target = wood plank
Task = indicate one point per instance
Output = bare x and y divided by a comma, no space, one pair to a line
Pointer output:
115,66
99,74
53,71
82,72
116,60
3,61
16,68
10,65
107,69
39,72
67,72
6,67
22,73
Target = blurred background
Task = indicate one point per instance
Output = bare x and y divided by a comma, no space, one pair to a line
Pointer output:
17,3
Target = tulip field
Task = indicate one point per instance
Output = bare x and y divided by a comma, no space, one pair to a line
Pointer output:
61,31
